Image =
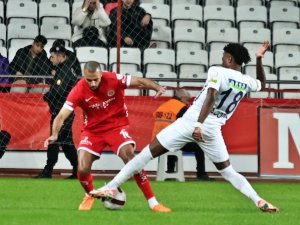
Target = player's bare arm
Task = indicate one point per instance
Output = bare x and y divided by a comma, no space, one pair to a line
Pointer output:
206,109
147,84
260,73
63,114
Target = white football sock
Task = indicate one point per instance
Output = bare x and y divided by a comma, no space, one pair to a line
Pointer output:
152,202
240,183
132,167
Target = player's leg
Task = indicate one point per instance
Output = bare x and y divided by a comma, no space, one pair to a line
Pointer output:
126,153
216,150
173,138
85,161
241,183
89,149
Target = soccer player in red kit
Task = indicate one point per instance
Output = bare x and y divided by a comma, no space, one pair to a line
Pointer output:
101,97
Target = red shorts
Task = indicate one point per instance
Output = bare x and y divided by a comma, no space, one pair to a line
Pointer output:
114,139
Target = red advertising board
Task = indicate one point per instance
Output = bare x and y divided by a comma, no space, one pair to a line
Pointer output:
279,141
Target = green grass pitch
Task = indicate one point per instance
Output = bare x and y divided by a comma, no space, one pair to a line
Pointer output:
26,201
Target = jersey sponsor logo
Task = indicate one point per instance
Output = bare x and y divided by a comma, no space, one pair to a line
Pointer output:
88,99
125,134
86,141
237,85
218,113
110,93
104,104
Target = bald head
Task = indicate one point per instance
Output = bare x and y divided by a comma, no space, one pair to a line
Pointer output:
92,66
183,95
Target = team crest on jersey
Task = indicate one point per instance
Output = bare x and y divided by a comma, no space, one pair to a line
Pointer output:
110,93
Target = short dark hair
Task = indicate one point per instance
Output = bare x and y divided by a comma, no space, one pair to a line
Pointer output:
238,52
40,39
59,42
92,66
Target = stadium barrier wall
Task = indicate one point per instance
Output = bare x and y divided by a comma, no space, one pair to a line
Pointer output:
30,127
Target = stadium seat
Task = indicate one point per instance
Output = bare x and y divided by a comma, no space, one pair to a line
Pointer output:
21,31
189,38
286,39
75,5
178,174
3,51
191,62
186,15
12,52
160,13
284,16
161,75
100,55
1,12
21,11
268,63
171,85
191,76
159,60
251,16
153,1
3,34
186,2
283,3
249,2
55,31
218,37
215,57
130,59
289,94
219,16
287,62
267,93
162,36
54,12
254,35
218,2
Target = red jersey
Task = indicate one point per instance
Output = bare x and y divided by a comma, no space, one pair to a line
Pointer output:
104,108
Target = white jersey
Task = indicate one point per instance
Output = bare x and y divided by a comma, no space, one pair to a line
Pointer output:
231,85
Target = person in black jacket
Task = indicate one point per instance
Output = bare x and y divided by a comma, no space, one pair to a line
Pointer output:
137,26
75,64
64,80
4,140
30,60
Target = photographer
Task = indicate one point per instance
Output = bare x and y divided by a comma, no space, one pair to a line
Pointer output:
89,22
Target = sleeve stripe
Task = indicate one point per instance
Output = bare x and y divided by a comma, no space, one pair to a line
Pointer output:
68,107
128,81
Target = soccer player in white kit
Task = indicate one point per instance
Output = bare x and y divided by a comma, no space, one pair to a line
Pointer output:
214,105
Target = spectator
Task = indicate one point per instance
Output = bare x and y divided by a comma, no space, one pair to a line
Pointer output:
90,20
166,114
64,80
4,140
4,70
74,62
30,60
137,26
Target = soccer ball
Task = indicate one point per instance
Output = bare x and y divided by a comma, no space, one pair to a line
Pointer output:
117,202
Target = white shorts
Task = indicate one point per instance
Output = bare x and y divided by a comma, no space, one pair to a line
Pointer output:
179,133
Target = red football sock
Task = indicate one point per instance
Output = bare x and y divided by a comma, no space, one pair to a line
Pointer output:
144,184
86,182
